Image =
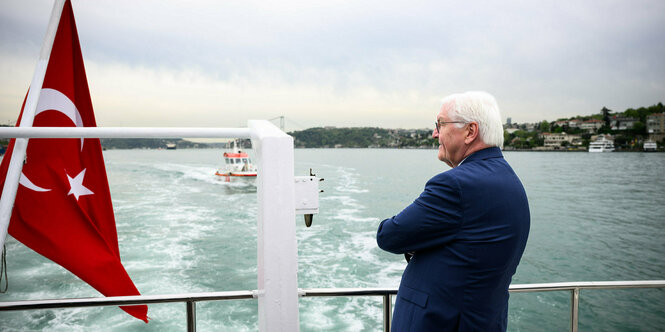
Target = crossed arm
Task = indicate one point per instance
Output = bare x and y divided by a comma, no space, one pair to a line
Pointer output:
432,220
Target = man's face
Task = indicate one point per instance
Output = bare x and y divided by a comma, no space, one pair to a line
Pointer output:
451,139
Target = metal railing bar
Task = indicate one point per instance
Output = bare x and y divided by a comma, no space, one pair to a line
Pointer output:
387,313
191,298
307,292
348,291
191,316
560,286
574,309
125,300
122,132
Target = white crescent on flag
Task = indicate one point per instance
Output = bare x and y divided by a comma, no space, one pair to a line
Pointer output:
53,100
24,181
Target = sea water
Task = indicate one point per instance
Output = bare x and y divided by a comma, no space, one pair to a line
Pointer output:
181,229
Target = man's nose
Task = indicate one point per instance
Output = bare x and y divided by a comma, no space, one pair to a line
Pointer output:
435,133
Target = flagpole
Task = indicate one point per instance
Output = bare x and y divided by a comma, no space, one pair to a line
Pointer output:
21,144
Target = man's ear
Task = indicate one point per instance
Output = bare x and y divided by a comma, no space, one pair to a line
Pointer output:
471,132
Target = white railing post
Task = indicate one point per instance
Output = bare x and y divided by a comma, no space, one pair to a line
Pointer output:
277,245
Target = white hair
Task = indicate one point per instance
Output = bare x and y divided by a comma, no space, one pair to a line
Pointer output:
479,107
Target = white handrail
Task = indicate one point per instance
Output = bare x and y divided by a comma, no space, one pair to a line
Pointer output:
277,256
123,132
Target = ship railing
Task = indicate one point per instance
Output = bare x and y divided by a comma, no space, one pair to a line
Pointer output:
190,299
277,252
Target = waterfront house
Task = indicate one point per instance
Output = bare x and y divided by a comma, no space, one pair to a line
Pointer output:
656,127
561,123
622,122
592,125
554,141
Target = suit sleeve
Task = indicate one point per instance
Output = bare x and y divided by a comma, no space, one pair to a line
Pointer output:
432,220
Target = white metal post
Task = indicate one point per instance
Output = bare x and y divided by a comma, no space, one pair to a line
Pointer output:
21,145
277,245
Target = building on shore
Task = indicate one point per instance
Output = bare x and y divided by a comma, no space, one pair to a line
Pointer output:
622,122
656,127
591,126
557,141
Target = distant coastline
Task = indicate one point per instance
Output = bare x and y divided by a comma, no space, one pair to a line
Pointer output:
336,138
628,131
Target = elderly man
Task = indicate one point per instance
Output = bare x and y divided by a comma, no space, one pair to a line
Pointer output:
467,230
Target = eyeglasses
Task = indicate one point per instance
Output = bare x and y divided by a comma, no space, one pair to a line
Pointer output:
439,123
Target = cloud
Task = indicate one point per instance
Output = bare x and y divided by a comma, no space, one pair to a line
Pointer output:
383,63
126,96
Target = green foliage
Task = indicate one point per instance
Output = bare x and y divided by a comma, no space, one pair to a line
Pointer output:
621,141
147,143
639,128
606,115
506,138
362,137
522,139
642,112
575,131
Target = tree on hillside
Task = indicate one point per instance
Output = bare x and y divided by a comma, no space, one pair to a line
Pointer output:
639,128
606,115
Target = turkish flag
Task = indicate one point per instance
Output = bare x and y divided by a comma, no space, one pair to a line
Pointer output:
63,205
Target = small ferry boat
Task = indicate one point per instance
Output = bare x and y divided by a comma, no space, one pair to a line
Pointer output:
237,163
650,146
602,144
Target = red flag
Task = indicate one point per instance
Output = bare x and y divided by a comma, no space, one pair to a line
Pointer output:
63,204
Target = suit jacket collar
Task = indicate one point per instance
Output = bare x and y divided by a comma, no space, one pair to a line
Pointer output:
491,152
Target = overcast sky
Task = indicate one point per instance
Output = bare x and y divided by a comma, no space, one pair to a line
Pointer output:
344,63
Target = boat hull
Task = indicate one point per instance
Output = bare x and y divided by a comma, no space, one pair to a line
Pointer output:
601,150
236,174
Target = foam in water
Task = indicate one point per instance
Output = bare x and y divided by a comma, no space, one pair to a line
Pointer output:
183,229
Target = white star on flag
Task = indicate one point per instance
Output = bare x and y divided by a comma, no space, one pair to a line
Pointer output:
76,186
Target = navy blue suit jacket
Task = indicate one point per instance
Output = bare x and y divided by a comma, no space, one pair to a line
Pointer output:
468,230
